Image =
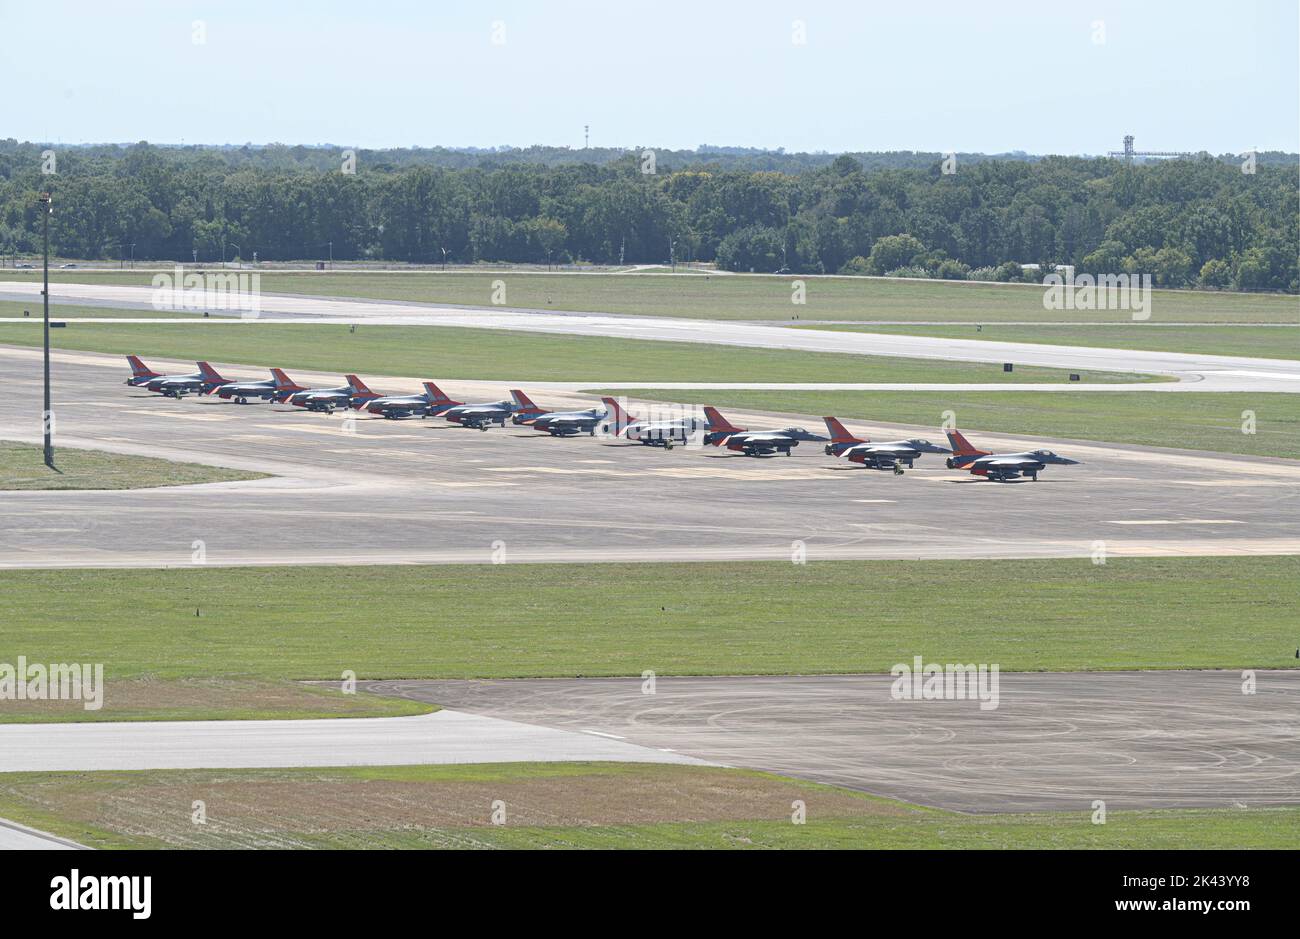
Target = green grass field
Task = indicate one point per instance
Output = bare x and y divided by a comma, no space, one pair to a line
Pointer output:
1263,341
453,352
506,621
1187,420
22,466
571,806
737,297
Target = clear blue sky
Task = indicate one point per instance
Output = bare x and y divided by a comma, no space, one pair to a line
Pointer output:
919,75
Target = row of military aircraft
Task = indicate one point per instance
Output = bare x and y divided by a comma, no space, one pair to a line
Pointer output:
519,409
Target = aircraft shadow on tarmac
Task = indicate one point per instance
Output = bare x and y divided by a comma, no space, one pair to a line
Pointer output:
974,480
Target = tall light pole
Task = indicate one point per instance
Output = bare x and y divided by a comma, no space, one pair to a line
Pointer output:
47,419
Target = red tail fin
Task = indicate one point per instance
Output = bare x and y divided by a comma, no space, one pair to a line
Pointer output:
208,372
524,403
283,382
961,446
139,369
719,423
840,434
621,418
359,389
436,394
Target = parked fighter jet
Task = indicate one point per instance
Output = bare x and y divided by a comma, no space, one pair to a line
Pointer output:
175,386
892,454
432,401
556,423
721,432
277,387
1000,467
483,416
330,399
663,433
140,373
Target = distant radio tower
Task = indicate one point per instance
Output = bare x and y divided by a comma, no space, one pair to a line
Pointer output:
586,136
1128,153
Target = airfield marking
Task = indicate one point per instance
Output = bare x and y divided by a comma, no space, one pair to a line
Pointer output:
335,431
39,531
559,471
708,472
1229,482
178,415
1178,521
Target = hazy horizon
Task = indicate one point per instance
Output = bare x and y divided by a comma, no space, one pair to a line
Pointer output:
807,77
503,148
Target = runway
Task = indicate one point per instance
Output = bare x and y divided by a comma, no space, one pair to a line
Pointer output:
367,490
1056,741
15,837
442,737
1195,372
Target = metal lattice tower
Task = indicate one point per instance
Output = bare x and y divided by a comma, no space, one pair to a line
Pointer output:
1128,153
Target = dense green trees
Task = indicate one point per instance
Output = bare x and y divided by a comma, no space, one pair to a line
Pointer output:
1185,222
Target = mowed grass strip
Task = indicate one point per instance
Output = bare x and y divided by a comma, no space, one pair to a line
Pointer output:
208,699
1250,423
567,805
22,466
566,620
1269,341
64,311
449,352
732,296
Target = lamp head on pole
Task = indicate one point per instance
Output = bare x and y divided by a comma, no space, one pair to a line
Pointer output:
45,200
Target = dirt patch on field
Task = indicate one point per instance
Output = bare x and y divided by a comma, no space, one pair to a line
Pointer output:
207,699
300,808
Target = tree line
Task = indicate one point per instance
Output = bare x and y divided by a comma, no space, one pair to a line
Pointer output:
1187,222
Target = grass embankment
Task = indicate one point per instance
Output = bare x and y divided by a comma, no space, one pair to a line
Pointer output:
567,805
